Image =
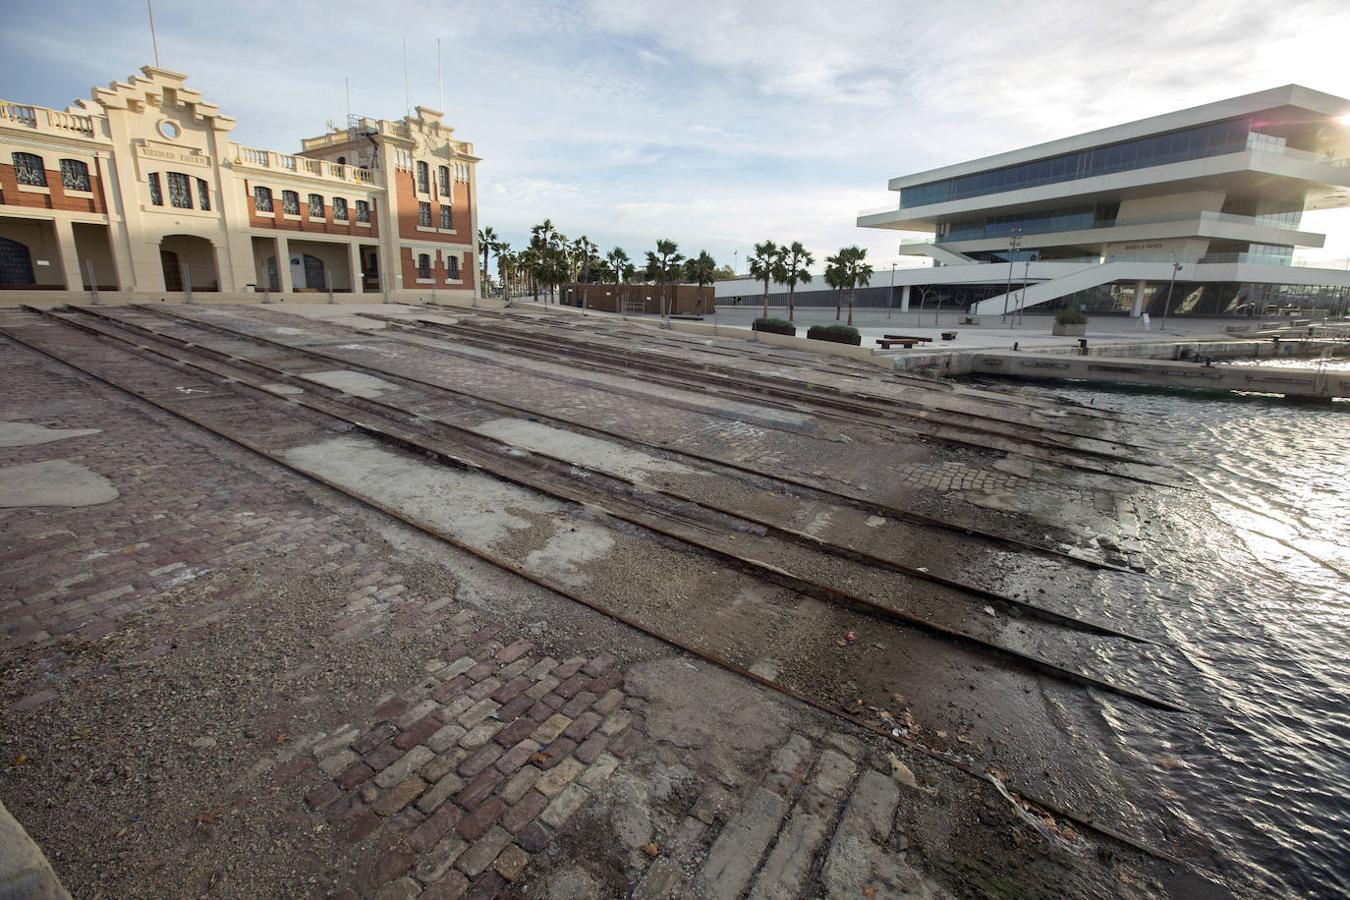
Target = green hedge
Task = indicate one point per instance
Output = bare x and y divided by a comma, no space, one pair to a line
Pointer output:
776,326
1071,317
840,334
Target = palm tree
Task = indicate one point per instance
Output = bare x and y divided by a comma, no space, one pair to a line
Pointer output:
701,270
542,236
487,245
505,260
852,272
619,265
585,257
664,266
795,261
836,281
765,266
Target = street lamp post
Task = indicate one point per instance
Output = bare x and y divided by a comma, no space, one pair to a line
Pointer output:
1167,305
1014,244
890,297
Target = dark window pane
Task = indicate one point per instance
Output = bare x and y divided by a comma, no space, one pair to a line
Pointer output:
28,169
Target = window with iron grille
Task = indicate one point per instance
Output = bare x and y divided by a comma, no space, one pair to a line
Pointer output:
262,199
362,211
203,194
28,169
180,190
452,267
339,208
447,216
315,206
443,179
423,178
157,196
290,203
74,175
424,214
423,265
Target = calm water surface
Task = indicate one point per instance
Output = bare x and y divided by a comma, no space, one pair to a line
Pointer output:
1259,608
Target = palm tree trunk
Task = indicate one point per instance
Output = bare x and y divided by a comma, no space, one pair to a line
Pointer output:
838,302
792,288
850,306
766,298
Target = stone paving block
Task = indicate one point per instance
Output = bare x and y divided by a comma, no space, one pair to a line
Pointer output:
480,759
430,832
484,688
478,712
443,764
418,733
374,737
333,766
456,708
354,774
591,748
563,806
512,689
833,773
582,726
711,803
550,756
479,735
416,713
510,711
479,789
482,670
442,790
571,686
458,667
541,668
788,866
452,886
856,858
534,838
484,851
625,743
599,772
578,704
511,862
523,813
552,782
402,767
432,866
603,684
445,737
514,651
399,796
488,886
788,766
476,824
516,757
383,755
616,722
516,732
339,740
609,702
551,729
568,668
519,783
323,795
735,854
543,687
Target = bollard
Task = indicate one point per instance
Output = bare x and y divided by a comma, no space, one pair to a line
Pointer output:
93,282
1082,347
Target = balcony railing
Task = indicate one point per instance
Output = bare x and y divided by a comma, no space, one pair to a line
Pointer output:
37,116
302,165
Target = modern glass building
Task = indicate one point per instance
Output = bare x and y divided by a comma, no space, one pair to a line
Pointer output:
1210,199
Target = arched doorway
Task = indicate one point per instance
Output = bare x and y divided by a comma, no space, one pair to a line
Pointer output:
16,264
191,256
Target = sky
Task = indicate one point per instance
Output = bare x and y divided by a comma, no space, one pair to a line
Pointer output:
714,123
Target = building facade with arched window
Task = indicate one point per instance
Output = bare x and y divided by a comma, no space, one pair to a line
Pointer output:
140,190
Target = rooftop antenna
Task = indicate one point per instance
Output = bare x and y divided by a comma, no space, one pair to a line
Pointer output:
440,84
407,94
149,7
347,82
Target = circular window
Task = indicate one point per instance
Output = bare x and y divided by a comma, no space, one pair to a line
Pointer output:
169,129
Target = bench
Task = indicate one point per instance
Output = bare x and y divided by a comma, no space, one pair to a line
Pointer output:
949,335
886,342
913,339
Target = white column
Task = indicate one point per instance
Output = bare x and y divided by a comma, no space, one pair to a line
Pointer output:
904,299
284,264
354,263
1138,307
70,257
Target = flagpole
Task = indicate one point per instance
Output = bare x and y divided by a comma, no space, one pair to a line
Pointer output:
149,8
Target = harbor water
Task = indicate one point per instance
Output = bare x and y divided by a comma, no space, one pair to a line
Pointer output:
1252,587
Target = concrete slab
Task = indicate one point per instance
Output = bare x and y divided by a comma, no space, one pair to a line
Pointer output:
55,482
357,384
26,434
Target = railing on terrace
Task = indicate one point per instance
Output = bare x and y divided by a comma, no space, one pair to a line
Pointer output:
34,116
303,165
878,210
1003,230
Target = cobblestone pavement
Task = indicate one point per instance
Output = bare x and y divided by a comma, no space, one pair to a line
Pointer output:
229,681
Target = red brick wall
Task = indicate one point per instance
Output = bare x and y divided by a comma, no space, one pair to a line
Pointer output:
408,258
57,198
406,193
279,221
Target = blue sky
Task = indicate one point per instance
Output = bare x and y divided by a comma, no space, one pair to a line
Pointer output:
716,124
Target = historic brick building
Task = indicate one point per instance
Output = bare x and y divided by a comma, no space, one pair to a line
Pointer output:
139,190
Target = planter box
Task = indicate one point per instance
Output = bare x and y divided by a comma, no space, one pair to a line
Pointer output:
835,338
1069,330
773,328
